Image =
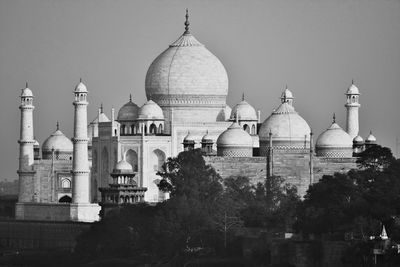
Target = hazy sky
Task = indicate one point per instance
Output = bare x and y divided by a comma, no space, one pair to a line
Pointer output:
315,46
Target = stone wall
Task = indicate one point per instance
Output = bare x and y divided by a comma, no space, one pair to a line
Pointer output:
293,166
40,235
253,167
43,211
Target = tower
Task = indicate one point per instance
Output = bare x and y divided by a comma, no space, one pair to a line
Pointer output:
352,105
80,164
26,144
81,208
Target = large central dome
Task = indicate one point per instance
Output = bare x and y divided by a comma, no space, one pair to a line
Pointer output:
187,74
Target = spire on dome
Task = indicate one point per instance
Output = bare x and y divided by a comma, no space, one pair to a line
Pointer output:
58,126
130,97
26,84
383,234
187,23
243,96
334,118
101,107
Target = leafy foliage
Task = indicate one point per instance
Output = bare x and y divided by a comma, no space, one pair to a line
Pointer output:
356,203
202,215
375,158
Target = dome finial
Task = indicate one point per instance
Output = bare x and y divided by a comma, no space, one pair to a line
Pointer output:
286,87
130,97
334,118
101,107
58,126
26,84
187,23
352,81
243,96
80,79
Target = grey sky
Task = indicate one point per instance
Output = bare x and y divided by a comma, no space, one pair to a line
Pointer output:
316,47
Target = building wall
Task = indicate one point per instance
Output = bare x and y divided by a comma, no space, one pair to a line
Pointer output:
292,166
44,184
40,235
43,211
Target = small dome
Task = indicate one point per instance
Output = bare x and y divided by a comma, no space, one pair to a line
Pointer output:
358,139
123,166
128,112
353,90
235,142
371,138
81,87
287,94
333,137
245,111
234,136
288,128
58,141
334,142
189,138
207,138
150,110
26,92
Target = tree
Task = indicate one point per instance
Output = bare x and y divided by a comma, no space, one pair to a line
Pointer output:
329,205
271,204
358,202
188,175
375,158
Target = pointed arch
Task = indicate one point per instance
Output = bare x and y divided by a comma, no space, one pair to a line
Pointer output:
66,183
246,128
132,158
160,130
153,128
65,199
253,129
157,159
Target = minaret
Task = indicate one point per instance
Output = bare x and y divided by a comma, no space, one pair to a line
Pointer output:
26,143
81,208
80,164
352,105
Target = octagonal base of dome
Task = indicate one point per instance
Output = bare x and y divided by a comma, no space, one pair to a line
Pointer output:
235,152
283,145
345,152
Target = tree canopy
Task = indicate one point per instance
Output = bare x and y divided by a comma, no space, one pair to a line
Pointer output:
357,202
